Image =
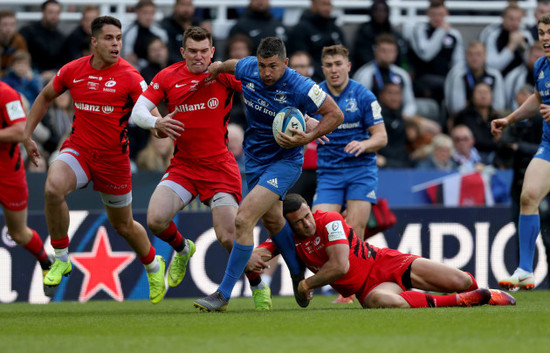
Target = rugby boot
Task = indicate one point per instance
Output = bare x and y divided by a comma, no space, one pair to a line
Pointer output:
178,267
157,285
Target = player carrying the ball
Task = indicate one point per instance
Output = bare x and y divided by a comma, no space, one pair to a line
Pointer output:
269,86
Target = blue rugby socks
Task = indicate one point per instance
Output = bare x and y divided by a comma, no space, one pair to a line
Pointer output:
529,228
235,266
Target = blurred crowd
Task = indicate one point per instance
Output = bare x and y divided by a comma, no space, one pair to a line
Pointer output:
438,94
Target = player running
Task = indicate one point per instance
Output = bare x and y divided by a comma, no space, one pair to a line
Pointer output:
14,193
104,88
202,165
268,86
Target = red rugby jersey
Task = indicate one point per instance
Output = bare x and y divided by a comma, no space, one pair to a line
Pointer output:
202,104
103,102
11,112
331,229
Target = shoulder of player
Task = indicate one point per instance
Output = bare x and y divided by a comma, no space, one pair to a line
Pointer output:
7,94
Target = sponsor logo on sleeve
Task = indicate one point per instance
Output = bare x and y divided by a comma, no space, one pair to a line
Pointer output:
317,95
15,110
376,110
143,85
335,230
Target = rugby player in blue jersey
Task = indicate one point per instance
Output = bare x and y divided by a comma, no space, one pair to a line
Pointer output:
347,176
268,86
536,184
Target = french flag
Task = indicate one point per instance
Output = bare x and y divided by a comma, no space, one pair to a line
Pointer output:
459,189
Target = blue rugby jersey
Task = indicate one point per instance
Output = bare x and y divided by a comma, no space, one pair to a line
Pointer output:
542,85
361,111
263,102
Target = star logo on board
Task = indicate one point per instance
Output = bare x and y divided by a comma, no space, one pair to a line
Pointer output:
101,268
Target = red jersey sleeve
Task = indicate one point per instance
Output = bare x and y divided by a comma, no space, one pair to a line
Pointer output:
230,81
11,107
156,92
333,228
270,246
61,79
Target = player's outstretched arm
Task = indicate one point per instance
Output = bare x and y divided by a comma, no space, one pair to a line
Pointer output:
257,262
218,67
37,112
528,109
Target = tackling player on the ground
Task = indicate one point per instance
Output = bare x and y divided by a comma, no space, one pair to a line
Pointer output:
268,86
379,277
14,193
104,88
202,165
536,184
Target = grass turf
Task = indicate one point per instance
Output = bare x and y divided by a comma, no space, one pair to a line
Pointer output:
176,326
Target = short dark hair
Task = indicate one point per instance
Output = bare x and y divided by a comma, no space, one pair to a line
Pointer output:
144,3
48,2
385,38
197,34
544,19
99,22
337,49
4,13
271,46
292,203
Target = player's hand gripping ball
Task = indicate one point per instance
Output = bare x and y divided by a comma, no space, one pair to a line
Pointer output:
286,118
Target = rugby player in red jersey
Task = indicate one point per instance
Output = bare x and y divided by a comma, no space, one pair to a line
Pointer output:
104,88
379,277
202,164
14,193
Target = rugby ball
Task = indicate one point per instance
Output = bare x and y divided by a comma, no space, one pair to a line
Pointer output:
286,118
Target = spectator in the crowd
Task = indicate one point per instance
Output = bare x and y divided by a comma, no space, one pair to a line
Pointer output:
182,18
522,75
156,156
315,30
22,78
460,82
10,40
478,116
506,44
435,48
363,51
138,34
45,42
302,62
59,118
157,59
78,43
394,154
439,158
465,155
543,6
382,70
257,22
235,138
238,46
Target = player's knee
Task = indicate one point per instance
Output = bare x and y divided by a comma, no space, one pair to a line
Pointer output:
124,228
528,198
242,223
227,241
383,299
156,222
54,190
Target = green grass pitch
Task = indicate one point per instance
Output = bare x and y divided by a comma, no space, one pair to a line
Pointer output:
175,325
